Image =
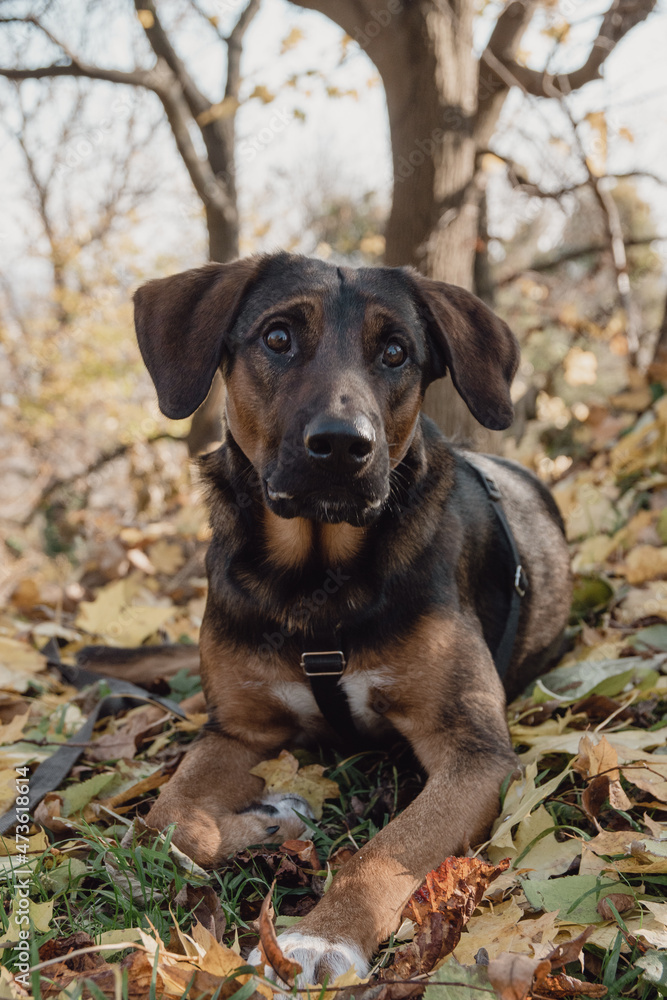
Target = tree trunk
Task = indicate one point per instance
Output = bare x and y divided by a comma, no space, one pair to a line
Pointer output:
432,102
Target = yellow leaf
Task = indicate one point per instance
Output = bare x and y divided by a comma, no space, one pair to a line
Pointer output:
521,798
12,731
146,18
503,930
282,774
263,94
597,155
167,557
223,109
293,37
645,562
37,844
594,758
7,791
15,655
39,914
120,623
216,958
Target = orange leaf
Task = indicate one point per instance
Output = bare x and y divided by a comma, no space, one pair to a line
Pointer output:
269,946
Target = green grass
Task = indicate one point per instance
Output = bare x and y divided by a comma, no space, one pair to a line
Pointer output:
374,787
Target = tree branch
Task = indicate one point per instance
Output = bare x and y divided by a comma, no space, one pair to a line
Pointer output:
235,48
350,15
621,17
494,82
211,191
133,78
562,258
163,49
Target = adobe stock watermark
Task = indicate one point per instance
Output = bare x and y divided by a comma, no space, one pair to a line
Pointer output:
277,123
21,882
379,19
83,145
424,148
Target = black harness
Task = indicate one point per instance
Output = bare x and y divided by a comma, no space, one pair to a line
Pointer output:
323,657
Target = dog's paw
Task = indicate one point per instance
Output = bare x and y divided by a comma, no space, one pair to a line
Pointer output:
320,959
276,816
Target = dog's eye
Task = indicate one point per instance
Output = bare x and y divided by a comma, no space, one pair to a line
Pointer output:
278,340
394,355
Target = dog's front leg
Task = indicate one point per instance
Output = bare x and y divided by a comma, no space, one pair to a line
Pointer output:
219,807
466,763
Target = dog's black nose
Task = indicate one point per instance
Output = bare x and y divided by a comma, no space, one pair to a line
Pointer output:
344,445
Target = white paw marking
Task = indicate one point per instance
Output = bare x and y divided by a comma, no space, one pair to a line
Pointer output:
317,957
286,805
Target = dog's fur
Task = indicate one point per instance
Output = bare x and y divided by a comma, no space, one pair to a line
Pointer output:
395,542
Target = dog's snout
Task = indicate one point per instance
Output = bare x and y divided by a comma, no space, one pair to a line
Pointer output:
340,444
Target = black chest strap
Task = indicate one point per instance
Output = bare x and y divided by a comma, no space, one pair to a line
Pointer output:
323,662
517,581
323,657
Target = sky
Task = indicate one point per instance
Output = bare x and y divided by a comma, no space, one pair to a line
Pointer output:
340,144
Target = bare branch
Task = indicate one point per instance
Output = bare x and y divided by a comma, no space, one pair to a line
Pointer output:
612,221
235,47
163,49
593,248
211,191
621,17
494,81
133,78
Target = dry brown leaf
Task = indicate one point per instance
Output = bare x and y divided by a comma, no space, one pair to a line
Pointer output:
599,762
620,900
458,884
269,947
131,731
205,904
440,908
512,975
302,851
562,985
569,951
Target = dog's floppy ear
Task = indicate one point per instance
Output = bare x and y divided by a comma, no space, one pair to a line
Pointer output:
476,346
181,324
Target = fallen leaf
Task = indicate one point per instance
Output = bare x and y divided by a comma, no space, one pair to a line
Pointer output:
512,975
621,902
283,774
270,949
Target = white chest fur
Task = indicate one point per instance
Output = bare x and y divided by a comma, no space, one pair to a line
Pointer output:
361,689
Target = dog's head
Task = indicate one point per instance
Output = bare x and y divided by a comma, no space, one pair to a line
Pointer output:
325,368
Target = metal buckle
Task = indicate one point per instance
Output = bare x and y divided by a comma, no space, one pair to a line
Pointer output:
520,581
311,658
493,490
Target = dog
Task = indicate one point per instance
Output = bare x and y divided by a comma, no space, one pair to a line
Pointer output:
344,524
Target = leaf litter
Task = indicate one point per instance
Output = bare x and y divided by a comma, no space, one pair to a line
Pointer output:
567,897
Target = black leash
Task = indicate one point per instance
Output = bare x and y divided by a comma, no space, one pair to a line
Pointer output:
323,658
52,772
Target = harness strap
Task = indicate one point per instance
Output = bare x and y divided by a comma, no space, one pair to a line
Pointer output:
519,580
52,772
323,662
323,659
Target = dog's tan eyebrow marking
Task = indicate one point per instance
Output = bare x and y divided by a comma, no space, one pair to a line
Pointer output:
311,306
288,542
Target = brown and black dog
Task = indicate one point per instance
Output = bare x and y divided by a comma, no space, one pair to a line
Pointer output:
336,507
